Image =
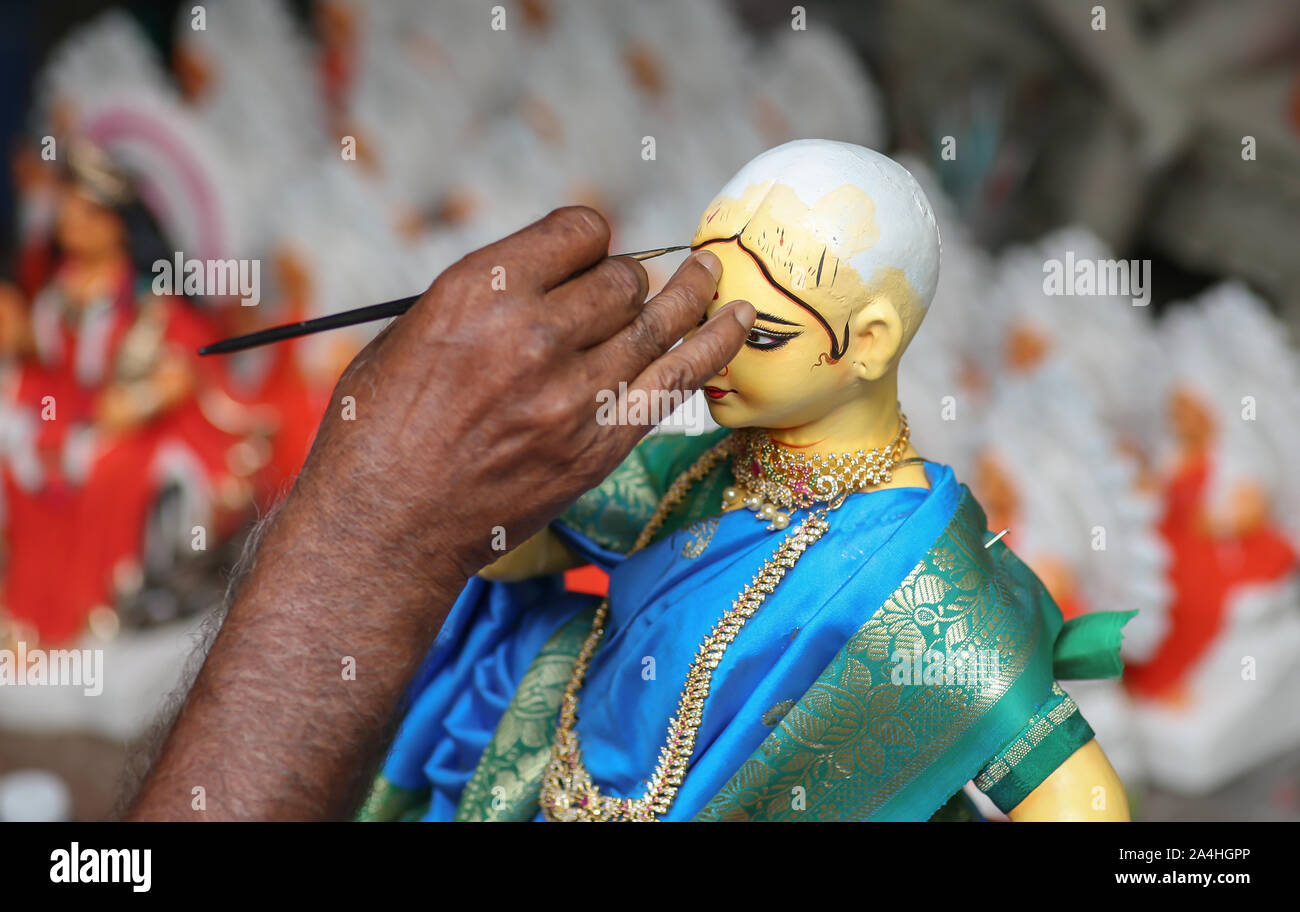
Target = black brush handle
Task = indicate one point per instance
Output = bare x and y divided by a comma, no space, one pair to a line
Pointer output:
307,327
353,317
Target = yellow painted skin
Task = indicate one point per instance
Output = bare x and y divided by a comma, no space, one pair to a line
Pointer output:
803,400
1084,788
794,391
542,555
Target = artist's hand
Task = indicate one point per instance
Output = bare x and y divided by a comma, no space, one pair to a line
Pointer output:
476,411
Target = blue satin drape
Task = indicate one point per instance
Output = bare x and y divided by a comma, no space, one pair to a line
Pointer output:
662,604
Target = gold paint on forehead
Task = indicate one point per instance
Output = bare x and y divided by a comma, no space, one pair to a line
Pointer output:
803,248
800,246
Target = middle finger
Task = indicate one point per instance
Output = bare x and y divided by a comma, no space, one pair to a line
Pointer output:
594,305
666,317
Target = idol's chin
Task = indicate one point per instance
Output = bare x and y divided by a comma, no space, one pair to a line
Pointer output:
726,413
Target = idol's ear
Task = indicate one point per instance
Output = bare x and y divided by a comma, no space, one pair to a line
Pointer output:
876,335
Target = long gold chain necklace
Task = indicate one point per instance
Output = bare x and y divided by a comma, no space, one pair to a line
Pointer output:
774,481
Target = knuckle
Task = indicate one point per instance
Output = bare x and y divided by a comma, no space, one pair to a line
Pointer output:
682,303
626,279
553,409
459,281
533,348
644,338
581,222
458,268
679,373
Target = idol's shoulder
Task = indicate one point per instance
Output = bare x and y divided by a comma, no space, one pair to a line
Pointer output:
953,579
961,626
613,513
968,571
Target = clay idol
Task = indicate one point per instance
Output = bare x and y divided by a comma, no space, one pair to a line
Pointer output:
806,619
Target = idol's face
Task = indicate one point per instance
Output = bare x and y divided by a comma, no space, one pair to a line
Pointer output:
1192,421
86,228
783,377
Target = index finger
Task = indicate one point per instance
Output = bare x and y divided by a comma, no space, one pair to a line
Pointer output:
550,250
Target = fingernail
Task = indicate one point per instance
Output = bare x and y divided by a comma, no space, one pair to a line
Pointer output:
743,311
709,261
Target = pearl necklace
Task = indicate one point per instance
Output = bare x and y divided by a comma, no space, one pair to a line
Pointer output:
568,792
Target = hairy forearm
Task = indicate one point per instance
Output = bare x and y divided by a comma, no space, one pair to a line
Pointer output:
403,496
293,705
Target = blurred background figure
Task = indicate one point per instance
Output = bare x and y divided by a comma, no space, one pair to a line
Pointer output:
1115,376
1217,694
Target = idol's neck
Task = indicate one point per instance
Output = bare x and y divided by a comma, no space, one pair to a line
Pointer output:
863,422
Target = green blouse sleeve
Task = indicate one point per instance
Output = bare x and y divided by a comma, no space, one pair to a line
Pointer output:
613,513
1050,736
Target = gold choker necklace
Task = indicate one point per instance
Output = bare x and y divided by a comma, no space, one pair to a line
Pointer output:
773,481
568,792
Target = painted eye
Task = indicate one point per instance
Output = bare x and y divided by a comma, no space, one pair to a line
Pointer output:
765,340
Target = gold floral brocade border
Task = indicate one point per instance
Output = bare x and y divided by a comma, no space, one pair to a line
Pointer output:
856,739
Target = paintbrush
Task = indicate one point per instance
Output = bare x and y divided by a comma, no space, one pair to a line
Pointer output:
359,315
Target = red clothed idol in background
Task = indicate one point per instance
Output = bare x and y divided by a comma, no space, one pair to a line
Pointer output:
1207,570
113,407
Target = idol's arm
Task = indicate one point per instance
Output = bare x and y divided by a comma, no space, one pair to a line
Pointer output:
541,555
124,405
1083,788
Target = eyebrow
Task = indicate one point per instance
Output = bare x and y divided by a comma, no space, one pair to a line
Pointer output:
838,348
768,318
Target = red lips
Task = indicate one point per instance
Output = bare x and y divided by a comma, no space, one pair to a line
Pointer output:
715,392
